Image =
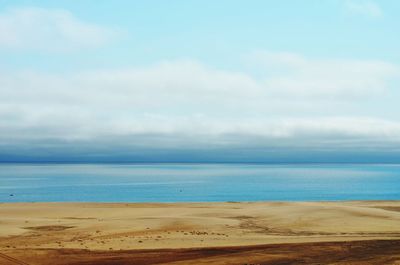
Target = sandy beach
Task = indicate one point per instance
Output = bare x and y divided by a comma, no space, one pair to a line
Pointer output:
359,232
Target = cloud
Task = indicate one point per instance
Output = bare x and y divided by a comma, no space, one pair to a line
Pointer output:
289,98
364,7
280,101
31,28
293,74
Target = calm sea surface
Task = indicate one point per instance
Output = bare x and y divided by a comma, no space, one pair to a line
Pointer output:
198,182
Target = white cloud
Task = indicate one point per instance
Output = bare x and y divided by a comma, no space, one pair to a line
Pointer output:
293,74
290,97
364,7
49,30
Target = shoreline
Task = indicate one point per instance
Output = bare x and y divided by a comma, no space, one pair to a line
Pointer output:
167,203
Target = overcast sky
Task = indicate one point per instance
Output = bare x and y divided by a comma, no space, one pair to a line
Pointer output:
243,81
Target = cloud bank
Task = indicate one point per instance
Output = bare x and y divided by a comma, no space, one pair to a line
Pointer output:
290,101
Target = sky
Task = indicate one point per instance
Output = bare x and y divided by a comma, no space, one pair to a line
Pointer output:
200,81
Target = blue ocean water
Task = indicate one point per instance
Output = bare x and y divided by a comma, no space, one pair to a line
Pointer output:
197,182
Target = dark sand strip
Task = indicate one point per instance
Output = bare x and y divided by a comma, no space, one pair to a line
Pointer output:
349,253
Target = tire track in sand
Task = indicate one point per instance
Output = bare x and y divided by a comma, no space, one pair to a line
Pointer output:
14,260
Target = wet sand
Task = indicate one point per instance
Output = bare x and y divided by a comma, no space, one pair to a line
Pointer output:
363,232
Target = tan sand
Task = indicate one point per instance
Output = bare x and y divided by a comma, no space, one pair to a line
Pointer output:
31,231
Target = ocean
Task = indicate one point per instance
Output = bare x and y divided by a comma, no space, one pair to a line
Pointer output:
196,182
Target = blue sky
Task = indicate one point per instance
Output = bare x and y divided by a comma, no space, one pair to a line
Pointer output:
214,32
200,80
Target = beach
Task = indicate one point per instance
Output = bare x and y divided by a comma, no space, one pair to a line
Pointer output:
356,232
199,132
